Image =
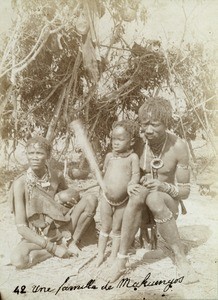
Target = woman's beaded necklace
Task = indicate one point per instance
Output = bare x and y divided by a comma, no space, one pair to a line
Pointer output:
33,180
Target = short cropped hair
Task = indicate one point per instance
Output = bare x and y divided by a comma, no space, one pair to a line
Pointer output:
43,142
129,125
159,108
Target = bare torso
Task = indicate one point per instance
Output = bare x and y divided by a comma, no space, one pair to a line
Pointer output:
20,190
117,176
169,158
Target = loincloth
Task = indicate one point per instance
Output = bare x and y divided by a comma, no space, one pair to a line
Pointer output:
115,204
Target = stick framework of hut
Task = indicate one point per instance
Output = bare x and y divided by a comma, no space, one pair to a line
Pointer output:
70,46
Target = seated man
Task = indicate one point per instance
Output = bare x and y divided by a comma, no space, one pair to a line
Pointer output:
162,196
42,220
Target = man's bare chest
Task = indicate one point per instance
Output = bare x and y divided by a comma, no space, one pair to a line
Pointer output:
167,162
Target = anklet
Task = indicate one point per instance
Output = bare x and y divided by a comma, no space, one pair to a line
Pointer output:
159,221
122,255
103,234
118,236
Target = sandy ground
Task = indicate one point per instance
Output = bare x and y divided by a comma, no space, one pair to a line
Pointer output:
198,232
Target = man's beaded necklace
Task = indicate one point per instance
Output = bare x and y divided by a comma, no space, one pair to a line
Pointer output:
158,149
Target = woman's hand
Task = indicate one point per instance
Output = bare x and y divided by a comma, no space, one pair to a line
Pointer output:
63,252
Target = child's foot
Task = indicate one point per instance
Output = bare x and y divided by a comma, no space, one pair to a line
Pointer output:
113,273
117,269
110,260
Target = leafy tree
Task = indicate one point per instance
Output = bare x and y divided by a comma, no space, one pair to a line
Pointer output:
55,68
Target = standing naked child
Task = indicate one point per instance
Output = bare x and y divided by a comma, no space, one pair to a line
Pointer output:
121,168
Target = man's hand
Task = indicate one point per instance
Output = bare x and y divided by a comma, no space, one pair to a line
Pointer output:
133,189
153,185
144,179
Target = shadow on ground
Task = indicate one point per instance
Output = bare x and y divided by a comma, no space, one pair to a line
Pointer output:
192,236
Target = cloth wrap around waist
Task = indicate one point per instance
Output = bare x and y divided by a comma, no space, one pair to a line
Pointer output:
44,215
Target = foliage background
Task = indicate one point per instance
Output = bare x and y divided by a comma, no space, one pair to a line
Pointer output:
99,60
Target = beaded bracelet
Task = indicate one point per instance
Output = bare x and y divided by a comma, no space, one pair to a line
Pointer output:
170,189
57,199
54,247
49,246
45,243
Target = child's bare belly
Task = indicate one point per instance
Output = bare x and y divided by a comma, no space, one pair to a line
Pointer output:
117,177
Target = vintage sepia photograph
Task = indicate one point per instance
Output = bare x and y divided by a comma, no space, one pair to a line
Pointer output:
108,149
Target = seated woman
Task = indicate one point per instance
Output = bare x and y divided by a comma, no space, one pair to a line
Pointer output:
42,217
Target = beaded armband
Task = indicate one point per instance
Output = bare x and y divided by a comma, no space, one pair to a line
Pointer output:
184,167
187,184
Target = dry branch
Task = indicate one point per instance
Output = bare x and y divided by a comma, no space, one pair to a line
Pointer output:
88,98
33,53
5,99
73,79
197,115
9,45
54,120
43,101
